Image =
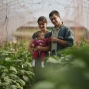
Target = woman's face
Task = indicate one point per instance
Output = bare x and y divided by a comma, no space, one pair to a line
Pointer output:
42,25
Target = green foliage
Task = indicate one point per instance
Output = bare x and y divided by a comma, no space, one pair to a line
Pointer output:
15,66
70,71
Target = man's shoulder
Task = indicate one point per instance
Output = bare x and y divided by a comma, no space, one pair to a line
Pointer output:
64,27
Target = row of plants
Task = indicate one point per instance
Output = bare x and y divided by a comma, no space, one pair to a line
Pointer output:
71,71
15,66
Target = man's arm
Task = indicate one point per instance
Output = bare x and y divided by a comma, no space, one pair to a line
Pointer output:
68,39
61,42
65,42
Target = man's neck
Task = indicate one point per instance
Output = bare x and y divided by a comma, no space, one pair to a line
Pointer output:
58,26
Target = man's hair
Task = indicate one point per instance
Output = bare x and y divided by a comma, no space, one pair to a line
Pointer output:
38,33
54,12
42,18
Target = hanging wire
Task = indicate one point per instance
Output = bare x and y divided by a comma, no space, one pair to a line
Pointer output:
6,21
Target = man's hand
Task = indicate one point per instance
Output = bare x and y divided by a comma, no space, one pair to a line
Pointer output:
59,41
53,39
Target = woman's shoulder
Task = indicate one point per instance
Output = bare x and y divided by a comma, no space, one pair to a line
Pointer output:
34,35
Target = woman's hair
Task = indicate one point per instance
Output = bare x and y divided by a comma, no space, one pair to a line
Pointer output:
54,12
42,18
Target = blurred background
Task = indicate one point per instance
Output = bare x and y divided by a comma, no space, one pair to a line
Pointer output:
18,18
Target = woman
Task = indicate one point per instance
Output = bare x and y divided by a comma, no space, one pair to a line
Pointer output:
42,23
38,70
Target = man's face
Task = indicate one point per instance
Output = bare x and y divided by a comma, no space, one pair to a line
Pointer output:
55,19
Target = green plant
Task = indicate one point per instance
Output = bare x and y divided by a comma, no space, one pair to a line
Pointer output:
15,66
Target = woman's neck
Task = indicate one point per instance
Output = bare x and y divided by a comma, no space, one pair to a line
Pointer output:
44,31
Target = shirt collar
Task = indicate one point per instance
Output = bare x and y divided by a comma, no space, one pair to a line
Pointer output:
59,27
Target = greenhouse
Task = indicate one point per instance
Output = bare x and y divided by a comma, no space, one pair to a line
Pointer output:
18,23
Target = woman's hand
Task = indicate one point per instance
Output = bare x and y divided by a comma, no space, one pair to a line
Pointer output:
30,48
37,48
32,45
47,48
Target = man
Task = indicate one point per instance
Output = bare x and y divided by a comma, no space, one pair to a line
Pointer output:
61,36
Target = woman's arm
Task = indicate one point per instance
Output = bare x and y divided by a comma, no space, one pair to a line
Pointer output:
30,47
47,48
